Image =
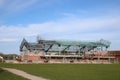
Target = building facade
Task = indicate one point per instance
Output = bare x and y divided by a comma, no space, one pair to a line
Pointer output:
116,55
61,51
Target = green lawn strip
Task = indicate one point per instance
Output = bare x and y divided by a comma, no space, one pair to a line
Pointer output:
5,75
71,71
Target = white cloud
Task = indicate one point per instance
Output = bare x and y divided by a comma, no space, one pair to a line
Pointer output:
8,40
70,26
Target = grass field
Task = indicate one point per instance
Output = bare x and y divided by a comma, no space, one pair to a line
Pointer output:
4,75
71,71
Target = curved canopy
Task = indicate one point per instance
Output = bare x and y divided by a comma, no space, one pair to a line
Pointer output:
62,45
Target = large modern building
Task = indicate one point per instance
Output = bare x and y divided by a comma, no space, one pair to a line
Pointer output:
64,51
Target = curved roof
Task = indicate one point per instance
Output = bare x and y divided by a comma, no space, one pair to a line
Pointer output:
48,45
102,42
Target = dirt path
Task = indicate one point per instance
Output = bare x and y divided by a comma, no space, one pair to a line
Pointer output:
24,74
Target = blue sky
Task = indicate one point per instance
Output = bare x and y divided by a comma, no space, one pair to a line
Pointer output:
58,19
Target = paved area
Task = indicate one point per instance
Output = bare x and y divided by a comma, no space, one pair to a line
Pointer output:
24,74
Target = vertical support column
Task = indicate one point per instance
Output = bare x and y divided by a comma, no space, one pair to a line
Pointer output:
78,50
50,58
109,60
109,55
77,59
63,60
106,49
117,61
59,49
98,59
23,54
83,55
37,56
101,48
86,52
27,56
98,52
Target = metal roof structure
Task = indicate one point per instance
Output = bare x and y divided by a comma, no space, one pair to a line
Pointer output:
30,46
63,45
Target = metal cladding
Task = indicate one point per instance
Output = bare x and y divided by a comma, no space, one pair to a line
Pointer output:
63,45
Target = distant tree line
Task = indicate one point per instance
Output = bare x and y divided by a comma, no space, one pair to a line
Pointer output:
8,56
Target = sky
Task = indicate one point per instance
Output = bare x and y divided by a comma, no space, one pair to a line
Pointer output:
89,20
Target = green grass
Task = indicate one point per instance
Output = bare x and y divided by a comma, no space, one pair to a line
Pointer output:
71,71
4,75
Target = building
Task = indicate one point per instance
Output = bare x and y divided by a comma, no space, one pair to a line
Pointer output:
61,51
115,54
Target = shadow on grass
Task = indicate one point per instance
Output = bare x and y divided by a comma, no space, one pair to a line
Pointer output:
1,71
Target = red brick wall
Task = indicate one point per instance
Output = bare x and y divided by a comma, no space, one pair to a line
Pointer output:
32,58
115,53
